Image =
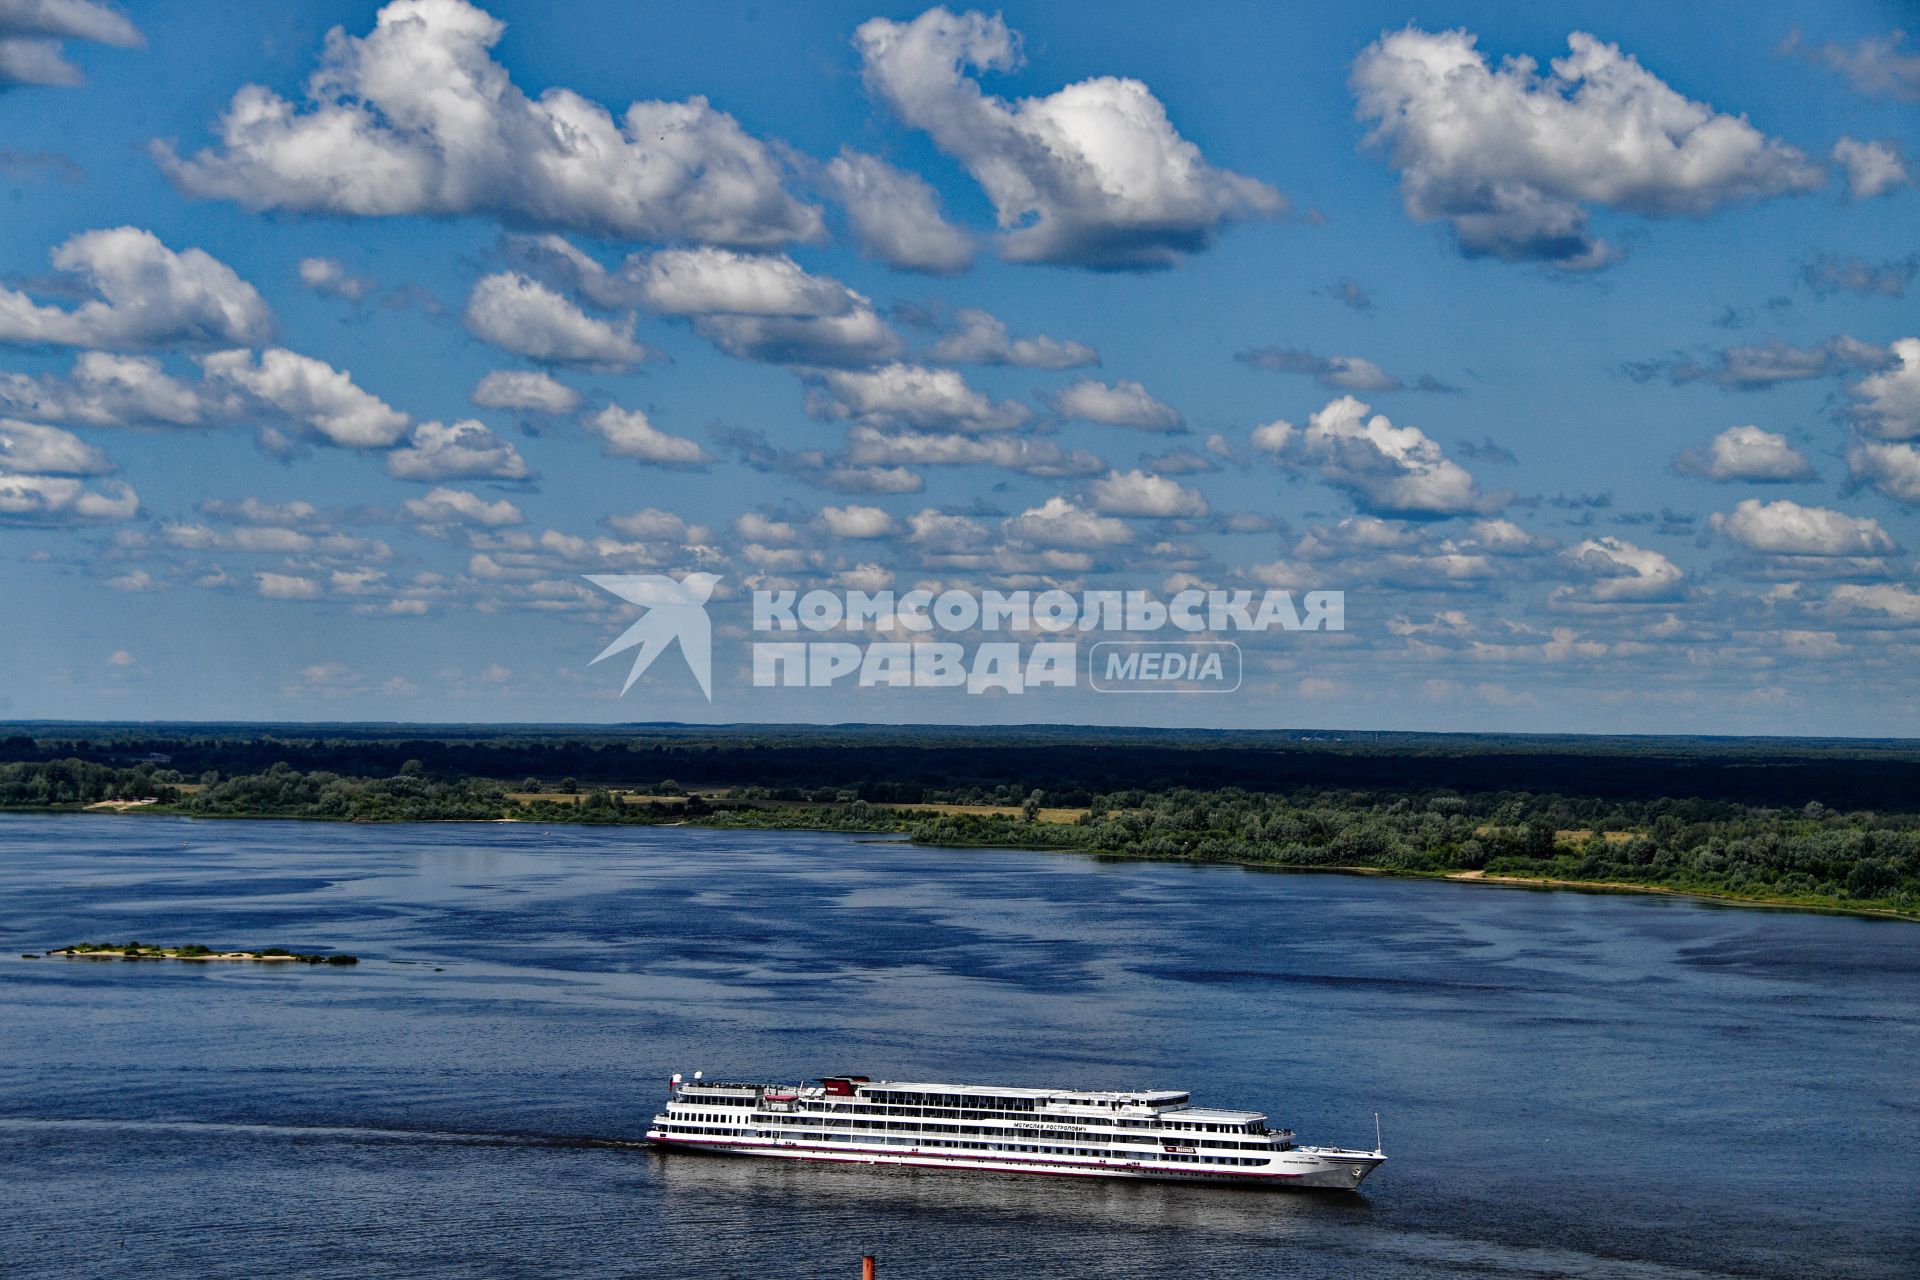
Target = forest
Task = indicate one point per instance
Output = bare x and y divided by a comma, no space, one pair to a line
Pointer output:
1747,820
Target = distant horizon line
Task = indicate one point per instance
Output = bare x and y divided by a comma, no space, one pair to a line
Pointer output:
930,726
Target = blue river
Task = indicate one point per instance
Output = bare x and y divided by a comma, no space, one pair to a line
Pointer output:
1570,1084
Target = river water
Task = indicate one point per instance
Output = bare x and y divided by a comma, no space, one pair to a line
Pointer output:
1570,1084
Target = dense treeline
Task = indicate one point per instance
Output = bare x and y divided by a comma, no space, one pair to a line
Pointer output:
890,764
1808,854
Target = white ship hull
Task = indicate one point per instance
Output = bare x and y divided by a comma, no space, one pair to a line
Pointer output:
1344,1172
1154,1135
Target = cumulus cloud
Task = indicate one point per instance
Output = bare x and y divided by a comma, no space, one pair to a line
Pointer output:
104,390
1875,66
1141,493
1745,453
1057,522
895,216
29,447
651,524
868,446
1094,175
286,586
38,485
146,296
1512,159
330,278
1827,275
1620,572
45,499
31,32
309,393
1120,404
1893,469
854,521
525,392
980,338
446,506
1340,373
1871,168
522,315
910,395
1758,366
1786,528
1887,403
629,433
441,451
417,118
753,306
1388,470
1892,601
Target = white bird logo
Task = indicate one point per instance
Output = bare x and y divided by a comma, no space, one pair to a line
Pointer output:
674,611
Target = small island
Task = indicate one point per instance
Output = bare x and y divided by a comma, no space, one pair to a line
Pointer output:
141,951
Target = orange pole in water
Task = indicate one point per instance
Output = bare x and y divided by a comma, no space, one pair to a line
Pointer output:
866,1267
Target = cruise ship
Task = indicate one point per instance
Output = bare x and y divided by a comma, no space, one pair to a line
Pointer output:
1155,1134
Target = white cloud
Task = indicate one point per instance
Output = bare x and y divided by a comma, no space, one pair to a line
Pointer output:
1341,373
443,506
1621,572
329,277
1875,66
27,447
1512,158
708,281
1893,469
1119,404
651,524
43,499
1274,437
1387,469
763,307
134,580
522,315
1786,528
1896,602
417,118
1094,175
121,658
31,32
858,338
1139,493
287,586
439,451
628,433
1745,453
1889,401
311,393
1057,522
895,216
148,296
870,447
104,390
980,338
1758,366
1871,168
854,521
527,392
911,395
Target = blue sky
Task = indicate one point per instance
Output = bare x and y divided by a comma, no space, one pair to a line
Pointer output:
329,363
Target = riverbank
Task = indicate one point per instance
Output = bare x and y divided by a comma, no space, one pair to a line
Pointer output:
196,952
903,826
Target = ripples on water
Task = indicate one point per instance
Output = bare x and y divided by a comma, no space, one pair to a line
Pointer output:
1571,1084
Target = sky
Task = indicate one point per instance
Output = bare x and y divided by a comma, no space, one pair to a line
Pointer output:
1575,345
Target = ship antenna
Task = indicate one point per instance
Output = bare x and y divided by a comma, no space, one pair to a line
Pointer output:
1378,1148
